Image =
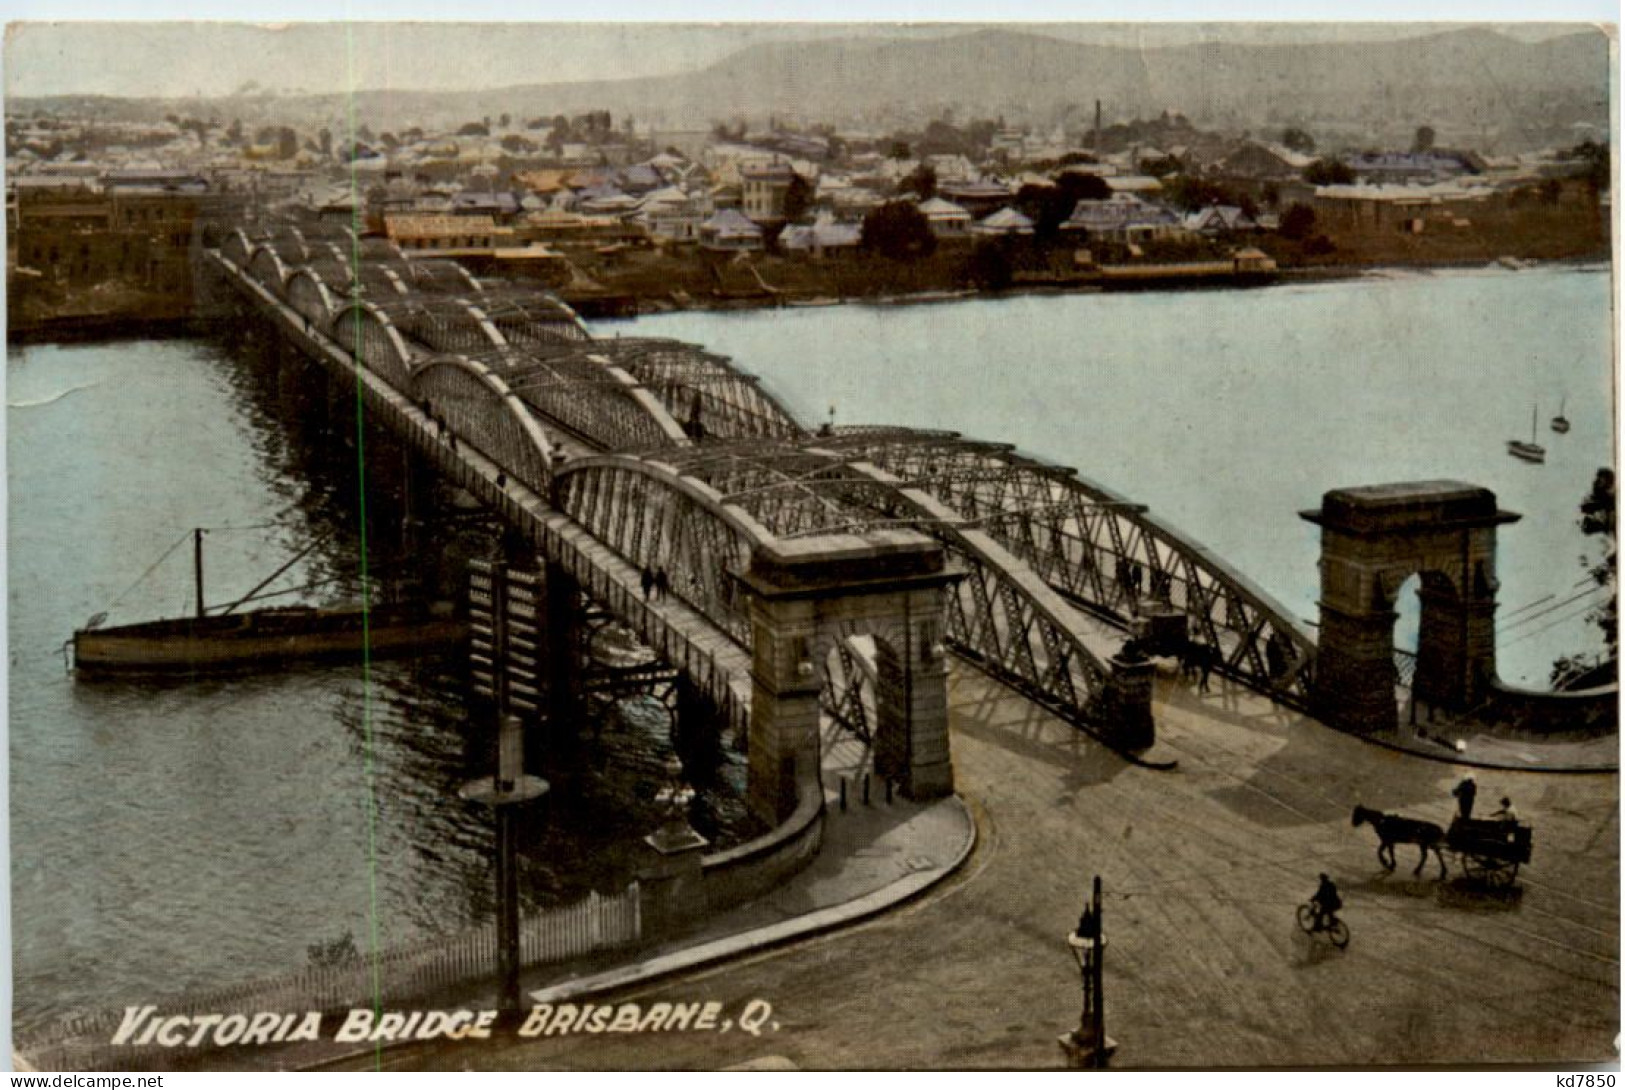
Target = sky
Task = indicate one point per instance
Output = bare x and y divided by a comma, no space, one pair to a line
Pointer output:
204,58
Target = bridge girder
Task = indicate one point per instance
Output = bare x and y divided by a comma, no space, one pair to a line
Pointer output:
705,391
658,519
265,266
1082,537
308,293
1002,615
479,406
381,347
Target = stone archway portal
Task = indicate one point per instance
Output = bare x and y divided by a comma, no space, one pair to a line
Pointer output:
1373,539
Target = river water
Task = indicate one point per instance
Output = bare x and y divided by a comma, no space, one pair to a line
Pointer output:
1230,411
167,838
170,838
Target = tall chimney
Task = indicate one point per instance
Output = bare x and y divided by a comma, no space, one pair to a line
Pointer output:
1098,152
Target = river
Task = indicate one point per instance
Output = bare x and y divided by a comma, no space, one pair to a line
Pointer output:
1230,411
166,838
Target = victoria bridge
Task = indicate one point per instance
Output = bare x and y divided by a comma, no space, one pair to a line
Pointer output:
836,571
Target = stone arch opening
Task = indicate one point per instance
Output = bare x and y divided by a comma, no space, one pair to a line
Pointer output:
1373,541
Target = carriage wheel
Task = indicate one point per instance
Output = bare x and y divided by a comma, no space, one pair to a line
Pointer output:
1306,918
1338,932
1503,874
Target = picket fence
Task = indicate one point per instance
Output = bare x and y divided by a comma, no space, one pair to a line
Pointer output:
395,974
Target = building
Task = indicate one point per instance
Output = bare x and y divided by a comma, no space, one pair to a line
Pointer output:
1123,217
979,198
446,235
1219,219
1006,221
825,238
947,219
80,236
763,190
730,230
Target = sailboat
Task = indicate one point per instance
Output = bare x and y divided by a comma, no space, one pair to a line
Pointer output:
1530,451
212,642
1560,423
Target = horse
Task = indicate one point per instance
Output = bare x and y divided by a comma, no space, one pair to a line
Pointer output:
1393,829
1196,662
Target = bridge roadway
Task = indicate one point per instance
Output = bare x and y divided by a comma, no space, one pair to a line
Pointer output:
1202,870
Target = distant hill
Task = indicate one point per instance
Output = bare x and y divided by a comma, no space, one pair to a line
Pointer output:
1471,85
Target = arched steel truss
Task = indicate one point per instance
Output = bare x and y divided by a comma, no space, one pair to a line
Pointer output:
1039,543
1085,540
658,519
713,399
308,293
382,349
266,267
596,403
527,317
441,323
480,408
698,513
1002,614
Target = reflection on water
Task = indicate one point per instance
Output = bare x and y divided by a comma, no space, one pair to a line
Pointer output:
171,837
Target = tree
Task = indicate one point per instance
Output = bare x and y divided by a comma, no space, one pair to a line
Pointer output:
989,266
287,143
1328,172
1423,141
1598,519
504,121
1595,158
474,128
1298,140
797,198
921,181
1190,194
1048,206
1298,222
898,230
325,141
899,150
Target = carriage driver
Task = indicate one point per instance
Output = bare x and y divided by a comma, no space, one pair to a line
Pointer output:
1326,902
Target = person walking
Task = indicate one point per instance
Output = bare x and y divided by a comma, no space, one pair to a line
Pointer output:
647,578
662,583
1465,793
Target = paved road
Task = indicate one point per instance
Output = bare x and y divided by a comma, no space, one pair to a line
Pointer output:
1203,869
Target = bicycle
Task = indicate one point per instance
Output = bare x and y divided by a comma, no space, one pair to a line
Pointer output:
1335,930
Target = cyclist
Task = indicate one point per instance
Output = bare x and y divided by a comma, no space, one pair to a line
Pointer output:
1326,902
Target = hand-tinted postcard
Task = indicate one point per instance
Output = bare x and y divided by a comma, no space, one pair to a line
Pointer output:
811,546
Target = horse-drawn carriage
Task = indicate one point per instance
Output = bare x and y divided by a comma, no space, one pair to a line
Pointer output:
1489,850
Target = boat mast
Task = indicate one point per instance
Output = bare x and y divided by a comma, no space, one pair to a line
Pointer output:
197,566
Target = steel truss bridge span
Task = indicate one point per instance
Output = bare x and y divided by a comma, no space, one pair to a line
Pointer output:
1085,540
698,514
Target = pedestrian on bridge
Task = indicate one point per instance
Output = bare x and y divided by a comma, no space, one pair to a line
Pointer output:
648,580
662,583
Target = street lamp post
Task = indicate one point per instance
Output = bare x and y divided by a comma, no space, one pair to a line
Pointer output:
1088,1045
507,788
